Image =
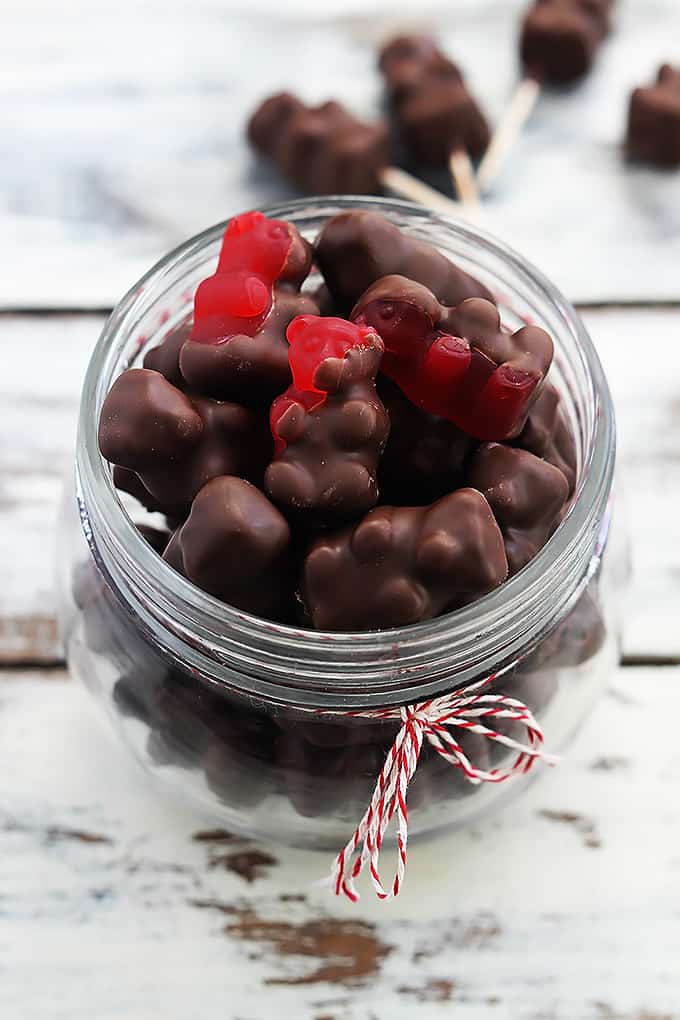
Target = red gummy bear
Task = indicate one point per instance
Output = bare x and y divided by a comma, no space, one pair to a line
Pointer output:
330,426
238,297
457,363
237,349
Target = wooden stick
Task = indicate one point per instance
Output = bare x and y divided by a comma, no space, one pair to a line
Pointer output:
505,135
405,186
463,177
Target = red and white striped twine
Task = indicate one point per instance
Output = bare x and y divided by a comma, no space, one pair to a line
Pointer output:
436,720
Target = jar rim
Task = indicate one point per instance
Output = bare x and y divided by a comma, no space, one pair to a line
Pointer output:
293,664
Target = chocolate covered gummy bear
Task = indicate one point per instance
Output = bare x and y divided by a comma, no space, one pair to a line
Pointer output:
235,545
401,565
527,496
356,248
175,443
237,348
458,363
330,427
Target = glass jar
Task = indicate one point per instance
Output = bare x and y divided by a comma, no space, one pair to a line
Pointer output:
251,717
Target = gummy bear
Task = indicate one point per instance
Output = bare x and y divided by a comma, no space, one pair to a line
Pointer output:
330,427
175,443
457,363
236,349
235,545
401,565
527,496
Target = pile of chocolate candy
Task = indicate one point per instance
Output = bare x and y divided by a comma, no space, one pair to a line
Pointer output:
370,468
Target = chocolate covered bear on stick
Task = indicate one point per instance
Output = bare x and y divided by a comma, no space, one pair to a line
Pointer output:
435,113
401,565
654,121
560,38
356,248
321,149
330,427
174,443
458,363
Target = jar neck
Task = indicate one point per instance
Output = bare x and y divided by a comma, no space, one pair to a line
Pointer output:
359,670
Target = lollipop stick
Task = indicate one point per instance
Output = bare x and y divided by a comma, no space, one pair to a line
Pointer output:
400,183
505,135
463,177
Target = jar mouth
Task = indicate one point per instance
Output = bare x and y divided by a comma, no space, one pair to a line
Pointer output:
289,663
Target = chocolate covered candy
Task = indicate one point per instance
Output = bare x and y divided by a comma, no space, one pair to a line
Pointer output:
175,443
425,456
401,565
458,363
321,149
235,545
165,357
548,435
527,496
237,348
406,60
330,427
560,38
654,121
434,112
356,248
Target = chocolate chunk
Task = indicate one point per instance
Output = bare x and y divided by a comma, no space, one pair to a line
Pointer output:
425,456
356,248
401,565
249,369
330,427
458,363
654,121
235,545
527,496
560,38
406,60
548,434
174,443
322,149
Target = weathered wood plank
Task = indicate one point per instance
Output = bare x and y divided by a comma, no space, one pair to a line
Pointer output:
141,130
560,907
44,360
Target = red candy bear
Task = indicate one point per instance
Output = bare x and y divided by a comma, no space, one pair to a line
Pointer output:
237,347
330,427
457,363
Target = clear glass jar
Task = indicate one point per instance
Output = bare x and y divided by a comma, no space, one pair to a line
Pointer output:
250,716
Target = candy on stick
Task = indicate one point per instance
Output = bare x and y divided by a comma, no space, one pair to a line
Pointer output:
458,363
330,426
356,248
653,134
401,565
326,150
437,118
559,42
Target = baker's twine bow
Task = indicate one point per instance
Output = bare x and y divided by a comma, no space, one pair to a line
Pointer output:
468,709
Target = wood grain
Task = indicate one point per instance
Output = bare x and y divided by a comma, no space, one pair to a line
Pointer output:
36,449
125,902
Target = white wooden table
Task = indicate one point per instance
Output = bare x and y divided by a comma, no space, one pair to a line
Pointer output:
117,903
